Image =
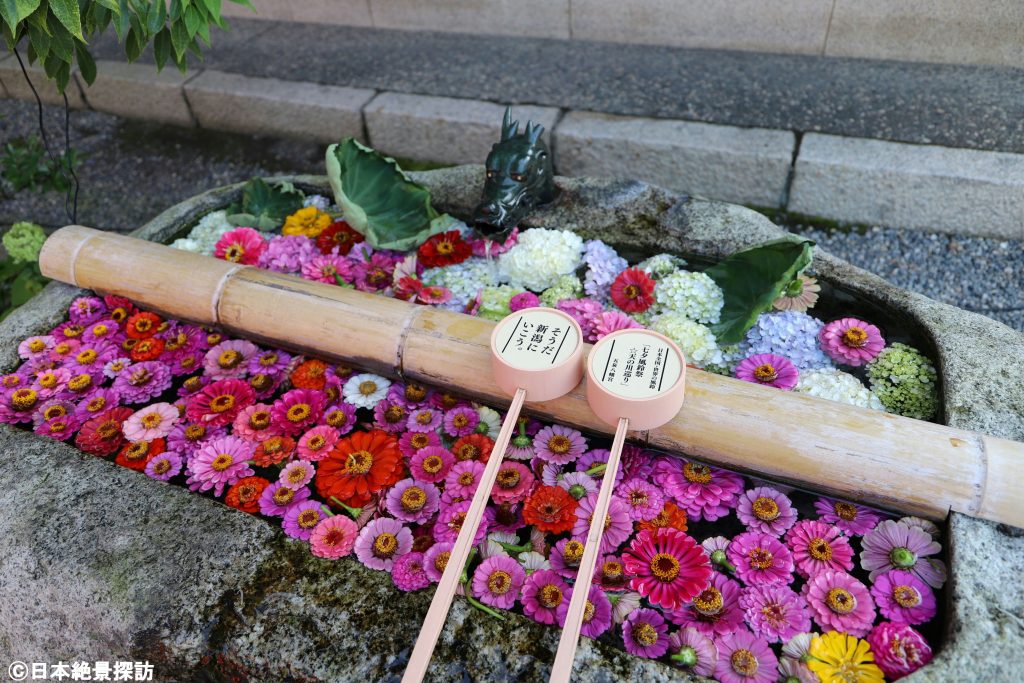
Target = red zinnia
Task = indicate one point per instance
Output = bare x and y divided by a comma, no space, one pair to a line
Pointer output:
146,349
136,455
359,466
143,325
102,434
633,291
310,375
551,509
120,308
245,494
219,403
473,447
668,567
444,249
339,235
274,450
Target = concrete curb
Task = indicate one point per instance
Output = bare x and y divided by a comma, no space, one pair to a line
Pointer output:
850,180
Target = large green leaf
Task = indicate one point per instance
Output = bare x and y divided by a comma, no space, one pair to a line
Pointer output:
25,286
752,279
14,11
379,200
66,12
265,207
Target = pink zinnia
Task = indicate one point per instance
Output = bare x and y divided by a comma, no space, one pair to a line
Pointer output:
327,268
277,498
645,633
164,466
904,597
219,463
431,464
297,410
769,370
242,245
513,483
849,341
818,547
451,518
667,567
229,359
760,559
597,617
643,500
381,541
152,422
854,520
296,474
618,526
425,420
518,303
461,421
840,603
565,557
316,444
413,501
333,537
433,295
498,580
705,492
543,593
558,444
254,423
302,518
715,610
775,612
607,322
436,559
896,545
463,479
690,649
219,403
745,658
766,510
407,572
412,443
899,650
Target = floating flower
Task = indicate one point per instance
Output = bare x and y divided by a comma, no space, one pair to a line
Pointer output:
435,559
254,423
287,253
818,547
696,341
610,574
776,612
301,518
540,257
143,325
544,591
243,245
578,484
523,300
667,566
565,557
558,444
451,518
141,382
633,291
424,419
338,238
566,288
297,474
835,385
745,658
498,580
407,572
840,603
643,500
925,525
842,657
461,422
905,381
694,295
274,450
705,492
413,501
219,463
850,341
513,483
36,347
715,610
597,612
135,455
899,650
245,494
853,520
431,463
359,466
328,269
444,249
473,447
219,403
768,369
317,443
102,434
795,671
550,509
297,410
309,374
790,334
692,650
766,510
374,274
645,634
164,466
606,322
229,359
902,596
308,221
463,479
434,295
617,524
340,417
381,541
365,390
895,545
800,295
671,516
760,559
153,422
276,499
333,538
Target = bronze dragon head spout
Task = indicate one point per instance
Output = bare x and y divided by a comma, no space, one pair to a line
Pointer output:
519,178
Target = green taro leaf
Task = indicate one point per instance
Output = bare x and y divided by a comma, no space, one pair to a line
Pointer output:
379,200
752,279
265,207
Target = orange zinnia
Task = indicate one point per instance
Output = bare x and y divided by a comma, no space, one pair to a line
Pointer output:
359,466
245,495
473,447
136,455
143,325
274,450
670,517
310,375
550,509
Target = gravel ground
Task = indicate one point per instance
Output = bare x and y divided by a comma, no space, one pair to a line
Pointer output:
132,170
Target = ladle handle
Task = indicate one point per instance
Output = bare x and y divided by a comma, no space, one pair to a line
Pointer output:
561,670
437,614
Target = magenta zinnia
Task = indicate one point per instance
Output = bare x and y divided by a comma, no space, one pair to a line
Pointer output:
667,566
498,580
849,341
769,370
840,603
220,463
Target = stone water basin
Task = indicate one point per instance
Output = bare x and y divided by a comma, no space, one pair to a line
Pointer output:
104,570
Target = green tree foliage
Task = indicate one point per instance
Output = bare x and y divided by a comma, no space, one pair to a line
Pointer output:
58,31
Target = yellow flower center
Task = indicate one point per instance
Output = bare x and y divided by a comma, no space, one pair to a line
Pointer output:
213,338
336,418
432,464
54,411
385,545
260,419
425,417
151,420
143,325
855,337
297,474
413,499
419,440
645,634
195,432
743,662
415,392
394,414
588,612
765,509
441,561
222,403
58,427
499,582
611,570
760,558
665,567
467,451
23,399
162,466
359,462
308,519
632,291
637,498
572,553
508,478
709,601
230,359
137,451
367,387
559,444
36,345
283,496
550,596
820,549
273,445
62,349
222,462
47,380
234,253
108,430
460,421
73,331
766,373
845,511
696,473
316,442
298,412
80,383
96,404
467,478
841,601
906,596
140,377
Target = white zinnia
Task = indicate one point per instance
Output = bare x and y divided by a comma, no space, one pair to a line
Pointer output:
540,257
365,390
836,385
489,418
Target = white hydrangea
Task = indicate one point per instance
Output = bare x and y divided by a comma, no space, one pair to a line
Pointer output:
836,385
187,244
696,341
211,228
465,280
695,295
321,202
540,257
660,265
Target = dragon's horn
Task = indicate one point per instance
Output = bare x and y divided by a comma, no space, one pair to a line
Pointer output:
533,132
508,127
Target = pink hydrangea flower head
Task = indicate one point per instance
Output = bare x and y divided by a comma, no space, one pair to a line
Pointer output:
768,369
902,596
818,547
896,545
775,612
645,633
745,658
381,541
767,510
242,245
558,444
498,581
714,611
760,559
413,501
333,538
840,602
853,520
849,341
899,650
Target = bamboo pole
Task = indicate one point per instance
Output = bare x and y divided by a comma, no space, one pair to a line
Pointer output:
867,456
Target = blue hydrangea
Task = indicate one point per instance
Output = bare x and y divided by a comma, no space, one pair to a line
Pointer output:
465,280
791,334
603,266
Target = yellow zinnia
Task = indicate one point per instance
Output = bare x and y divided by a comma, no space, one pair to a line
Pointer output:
841,658
309,221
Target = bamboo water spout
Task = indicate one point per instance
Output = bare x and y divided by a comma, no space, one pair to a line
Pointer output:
867,456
